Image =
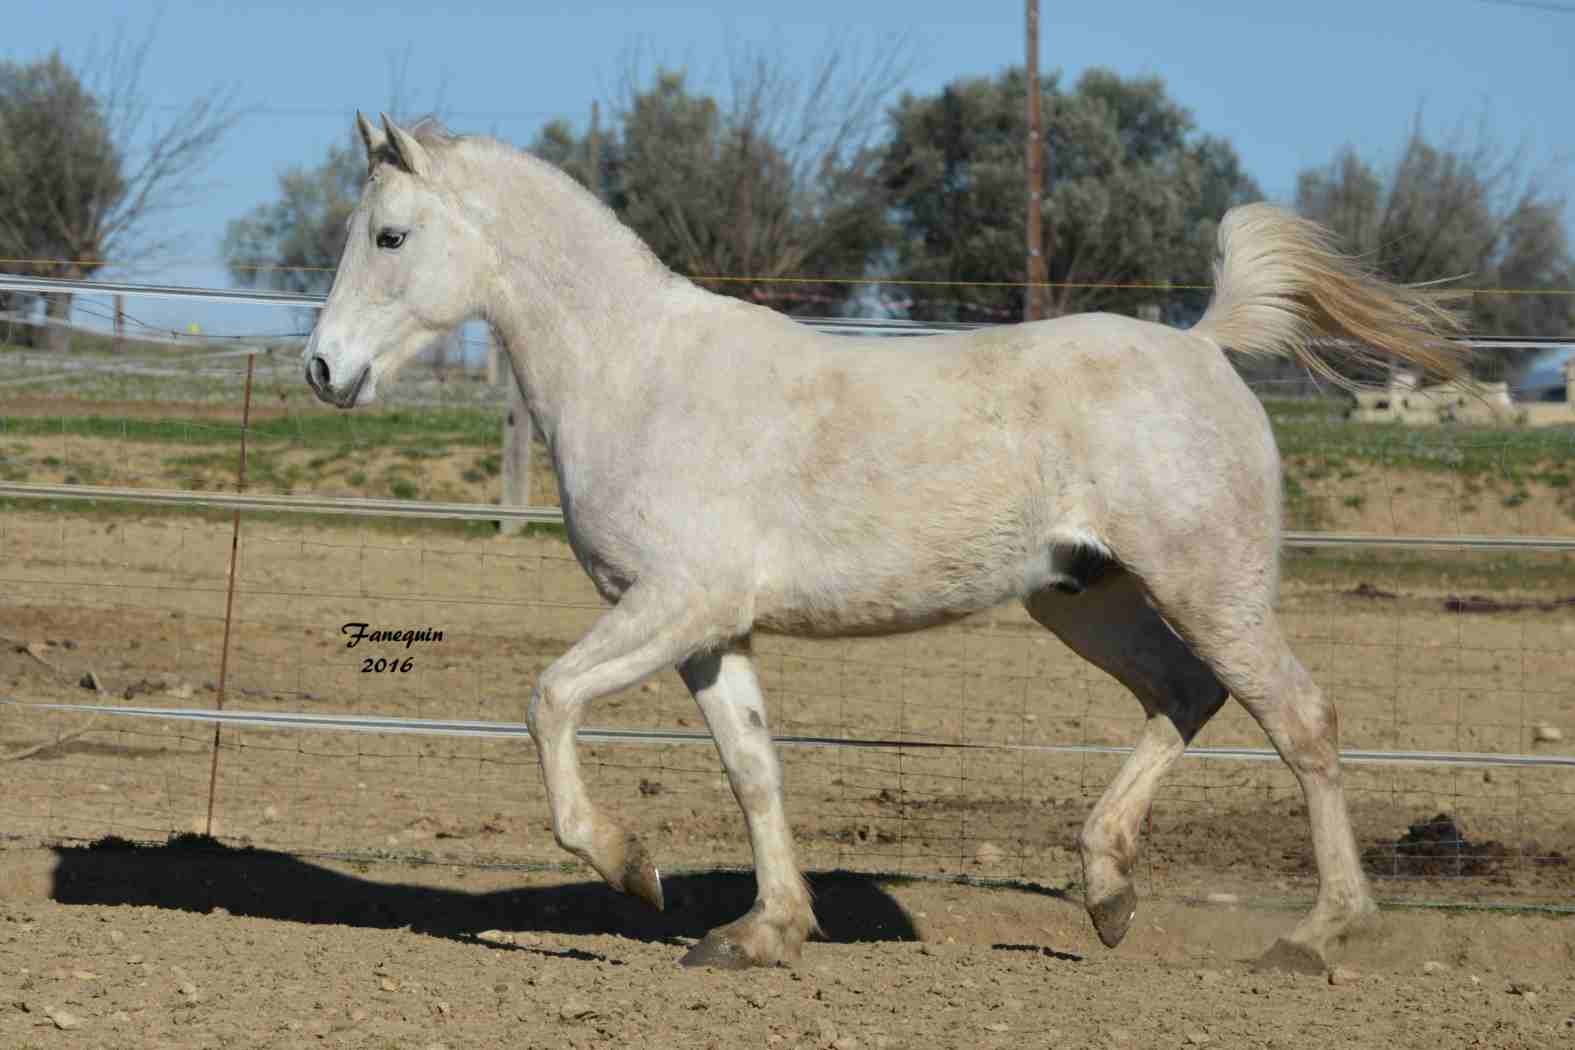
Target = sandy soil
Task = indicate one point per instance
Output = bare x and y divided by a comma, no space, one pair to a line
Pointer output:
113,949
140,605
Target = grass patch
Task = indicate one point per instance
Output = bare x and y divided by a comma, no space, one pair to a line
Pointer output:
12,466
1442,571
1328,445
1302,511
1314,432
226,459
474,427
330,458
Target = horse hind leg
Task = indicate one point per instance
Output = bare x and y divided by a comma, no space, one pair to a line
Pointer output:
1110,623
1235,630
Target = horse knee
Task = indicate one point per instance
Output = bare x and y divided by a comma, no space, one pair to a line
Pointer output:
1311,738
547,707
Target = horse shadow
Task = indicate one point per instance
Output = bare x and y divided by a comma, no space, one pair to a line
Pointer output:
265,884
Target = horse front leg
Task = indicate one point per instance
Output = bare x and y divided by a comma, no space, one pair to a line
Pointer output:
725,686
649,629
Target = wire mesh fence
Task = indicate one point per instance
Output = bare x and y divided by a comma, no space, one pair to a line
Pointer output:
975,749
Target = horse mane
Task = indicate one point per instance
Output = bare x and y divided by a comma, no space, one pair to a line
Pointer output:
430,131
482,151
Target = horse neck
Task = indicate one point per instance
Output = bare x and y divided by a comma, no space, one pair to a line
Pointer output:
576,298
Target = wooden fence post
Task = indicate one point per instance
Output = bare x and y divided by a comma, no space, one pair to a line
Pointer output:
517,434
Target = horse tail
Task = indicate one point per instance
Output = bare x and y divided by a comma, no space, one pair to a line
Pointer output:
1282,289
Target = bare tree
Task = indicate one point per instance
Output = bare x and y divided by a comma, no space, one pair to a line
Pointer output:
773,174
293,242
1463,207
91,169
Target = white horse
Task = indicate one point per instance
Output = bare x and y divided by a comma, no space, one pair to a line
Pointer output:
726,470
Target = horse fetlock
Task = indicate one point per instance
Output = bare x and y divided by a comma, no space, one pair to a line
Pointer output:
621,859
1105,843
1332,922
639,876
1289,955
1107,891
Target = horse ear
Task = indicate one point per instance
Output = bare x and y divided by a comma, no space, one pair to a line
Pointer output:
372,138
407,152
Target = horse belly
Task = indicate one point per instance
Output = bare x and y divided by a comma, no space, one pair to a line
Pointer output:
848,599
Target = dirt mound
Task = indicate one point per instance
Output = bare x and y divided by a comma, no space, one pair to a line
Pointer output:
1367,590
1437,847
1476,603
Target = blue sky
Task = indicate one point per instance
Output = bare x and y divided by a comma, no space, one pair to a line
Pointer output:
1287,83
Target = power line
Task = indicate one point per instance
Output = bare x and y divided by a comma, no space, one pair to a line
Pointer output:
349,112
1160,286
1533,5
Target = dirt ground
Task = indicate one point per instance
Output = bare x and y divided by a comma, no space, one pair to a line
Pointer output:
126,948
352,872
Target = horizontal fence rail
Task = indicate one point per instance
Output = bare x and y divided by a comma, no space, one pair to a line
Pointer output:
844,325
394,508
519,730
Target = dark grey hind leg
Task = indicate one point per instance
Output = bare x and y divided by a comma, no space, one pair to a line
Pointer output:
1112,626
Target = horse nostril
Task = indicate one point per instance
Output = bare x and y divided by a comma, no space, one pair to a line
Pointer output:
319,372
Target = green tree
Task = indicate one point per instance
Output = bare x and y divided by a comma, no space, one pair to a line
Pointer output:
1459,209
1134,194
85,174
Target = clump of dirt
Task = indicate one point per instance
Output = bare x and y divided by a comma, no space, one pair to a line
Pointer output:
1471,603
1437,847
1476,603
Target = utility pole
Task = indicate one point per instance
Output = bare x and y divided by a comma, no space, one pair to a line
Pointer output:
1034,293
593,176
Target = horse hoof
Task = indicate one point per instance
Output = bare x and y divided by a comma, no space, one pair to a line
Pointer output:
1113,915
718,953
1291,957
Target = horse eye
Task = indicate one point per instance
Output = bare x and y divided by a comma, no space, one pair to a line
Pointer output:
390,240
